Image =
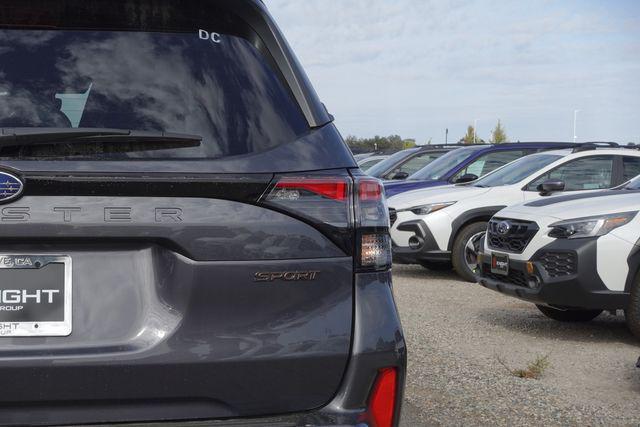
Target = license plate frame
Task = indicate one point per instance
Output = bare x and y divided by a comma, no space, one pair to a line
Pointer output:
41,297
500,264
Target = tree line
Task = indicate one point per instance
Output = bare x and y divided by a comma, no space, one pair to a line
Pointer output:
396,142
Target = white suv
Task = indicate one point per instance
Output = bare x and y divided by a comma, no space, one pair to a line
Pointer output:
438,226
573,256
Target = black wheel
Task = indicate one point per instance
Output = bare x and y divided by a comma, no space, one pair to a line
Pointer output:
436,265
632,313
569,315
466,246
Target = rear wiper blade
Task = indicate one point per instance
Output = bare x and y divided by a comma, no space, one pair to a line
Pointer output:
31,136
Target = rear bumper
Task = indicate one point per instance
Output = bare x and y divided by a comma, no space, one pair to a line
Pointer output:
582,288
427,250
119,389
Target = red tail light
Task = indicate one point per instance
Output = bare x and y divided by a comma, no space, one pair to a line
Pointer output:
382,402
331,188
372,220
346,209
325,200
370,190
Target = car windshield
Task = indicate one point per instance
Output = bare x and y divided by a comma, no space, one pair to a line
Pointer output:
440,167
517,170
215,85
379,169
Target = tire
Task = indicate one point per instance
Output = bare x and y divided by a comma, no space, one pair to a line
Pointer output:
632,313
569,315
459,259
436,266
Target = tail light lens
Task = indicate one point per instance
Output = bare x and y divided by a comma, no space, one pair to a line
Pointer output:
382,402
372,222
346,209
325,199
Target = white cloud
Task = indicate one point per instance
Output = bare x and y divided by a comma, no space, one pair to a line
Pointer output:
416,67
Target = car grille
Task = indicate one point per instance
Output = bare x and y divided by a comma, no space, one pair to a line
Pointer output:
515,277
515,239
393,215
558,264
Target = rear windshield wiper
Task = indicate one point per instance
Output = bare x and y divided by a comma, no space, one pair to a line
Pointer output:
34,136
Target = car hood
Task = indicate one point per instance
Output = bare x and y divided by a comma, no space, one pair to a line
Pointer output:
393,188
408,183
576,205
448,193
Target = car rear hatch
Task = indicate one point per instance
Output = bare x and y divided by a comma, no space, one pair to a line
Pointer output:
178,225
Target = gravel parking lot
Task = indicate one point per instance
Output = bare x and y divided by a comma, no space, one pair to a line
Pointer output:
458,333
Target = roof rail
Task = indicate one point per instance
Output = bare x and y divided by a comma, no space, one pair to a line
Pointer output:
588,146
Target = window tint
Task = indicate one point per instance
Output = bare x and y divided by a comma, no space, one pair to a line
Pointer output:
443,165
379,169
586,173
416,163
517,170
631,167
490,162
225,91
365,165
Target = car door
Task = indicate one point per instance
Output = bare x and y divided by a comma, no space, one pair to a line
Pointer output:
580,175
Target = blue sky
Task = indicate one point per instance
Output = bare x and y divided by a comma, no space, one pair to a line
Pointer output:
416,67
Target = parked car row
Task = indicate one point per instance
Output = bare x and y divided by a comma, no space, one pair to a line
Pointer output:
559,228
405,163
467,164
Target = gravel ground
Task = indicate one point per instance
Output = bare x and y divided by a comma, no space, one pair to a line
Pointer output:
458,334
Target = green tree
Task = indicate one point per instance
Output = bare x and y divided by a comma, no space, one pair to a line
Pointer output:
378,143
471,137
408,143
498,135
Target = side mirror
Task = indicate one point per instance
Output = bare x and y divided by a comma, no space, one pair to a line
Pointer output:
400,176
551,186
467,177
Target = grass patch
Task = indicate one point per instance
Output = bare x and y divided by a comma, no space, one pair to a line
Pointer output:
533,371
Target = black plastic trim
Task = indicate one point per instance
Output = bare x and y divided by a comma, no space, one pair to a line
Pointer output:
429,250
472,215
583,290
236,187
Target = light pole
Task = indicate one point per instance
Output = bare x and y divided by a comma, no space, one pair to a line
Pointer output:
575,125
446,136
475,132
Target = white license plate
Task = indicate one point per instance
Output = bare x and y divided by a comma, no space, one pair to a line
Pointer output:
35,295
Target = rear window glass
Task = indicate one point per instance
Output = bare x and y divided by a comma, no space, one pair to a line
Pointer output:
193,79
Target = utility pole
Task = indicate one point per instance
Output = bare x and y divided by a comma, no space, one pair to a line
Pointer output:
575,125
475,132
446,136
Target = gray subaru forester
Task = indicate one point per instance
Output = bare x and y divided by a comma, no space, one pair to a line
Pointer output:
184,235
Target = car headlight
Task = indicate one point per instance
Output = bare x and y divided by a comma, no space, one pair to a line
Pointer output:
593,226
430,208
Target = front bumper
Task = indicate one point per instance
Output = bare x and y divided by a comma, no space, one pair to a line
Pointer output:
576,284
425,249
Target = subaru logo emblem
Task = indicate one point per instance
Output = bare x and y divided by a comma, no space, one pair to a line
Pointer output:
10,187
503,227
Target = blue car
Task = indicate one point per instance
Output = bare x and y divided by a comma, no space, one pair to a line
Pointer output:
468,164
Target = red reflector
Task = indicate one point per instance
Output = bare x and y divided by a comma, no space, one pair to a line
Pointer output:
335,189
382,402
369,190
